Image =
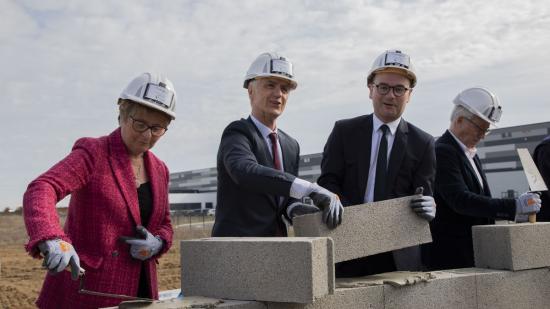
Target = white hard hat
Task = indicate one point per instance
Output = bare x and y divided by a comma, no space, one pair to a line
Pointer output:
154,91
270,64
480,102
393,61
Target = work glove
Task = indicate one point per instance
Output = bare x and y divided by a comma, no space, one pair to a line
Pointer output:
143,248
329,203
423,205
58,254
526,204
299,208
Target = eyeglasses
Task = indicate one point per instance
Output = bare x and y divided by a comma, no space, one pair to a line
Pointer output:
484,131
140,126
398,90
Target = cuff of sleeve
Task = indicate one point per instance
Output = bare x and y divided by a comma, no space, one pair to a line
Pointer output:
300,188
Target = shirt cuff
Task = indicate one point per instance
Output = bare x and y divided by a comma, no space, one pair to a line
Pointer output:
300,188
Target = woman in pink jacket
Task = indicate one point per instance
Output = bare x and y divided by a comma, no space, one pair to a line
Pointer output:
118,222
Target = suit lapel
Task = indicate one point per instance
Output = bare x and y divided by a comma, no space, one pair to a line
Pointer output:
466,162
363,152
124,176
398,151
262,155
485,188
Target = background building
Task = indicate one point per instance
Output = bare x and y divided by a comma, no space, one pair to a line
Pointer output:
195,190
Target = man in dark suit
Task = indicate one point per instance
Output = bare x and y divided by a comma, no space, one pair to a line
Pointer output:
258,162
381,156
542,160
461,189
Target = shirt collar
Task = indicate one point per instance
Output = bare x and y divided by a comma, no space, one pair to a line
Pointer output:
470,152
264,130
377,123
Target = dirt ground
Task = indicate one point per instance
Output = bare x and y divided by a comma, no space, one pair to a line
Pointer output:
21,276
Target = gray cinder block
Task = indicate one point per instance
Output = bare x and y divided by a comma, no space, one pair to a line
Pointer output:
512,246
280,269
369,229
443,290
514,289
370,297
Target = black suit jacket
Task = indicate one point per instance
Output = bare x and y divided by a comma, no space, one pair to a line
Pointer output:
542,160
461,204
249,187
345,169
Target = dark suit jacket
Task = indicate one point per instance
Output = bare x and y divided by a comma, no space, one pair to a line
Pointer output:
461,203
542,159
345,169
249,187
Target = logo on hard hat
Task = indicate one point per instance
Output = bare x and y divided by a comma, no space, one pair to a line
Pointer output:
397,59
159,94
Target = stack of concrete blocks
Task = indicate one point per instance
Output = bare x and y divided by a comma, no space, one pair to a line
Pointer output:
272,272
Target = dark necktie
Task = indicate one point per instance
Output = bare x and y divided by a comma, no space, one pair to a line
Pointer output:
275,151
381,167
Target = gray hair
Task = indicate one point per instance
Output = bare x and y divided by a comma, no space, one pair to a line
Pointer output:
460,111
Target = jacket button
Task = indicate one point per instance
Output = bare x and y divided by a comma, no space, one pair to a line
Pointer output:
114,253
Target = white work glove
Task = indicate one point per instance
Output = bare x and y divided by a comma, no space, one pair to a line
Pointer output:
329,203
143,248
423,205
526,204
298,209
58,254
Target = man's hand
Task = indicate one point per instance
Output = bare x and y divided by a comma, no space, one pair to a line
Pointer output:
423,205
329,203
527,203
143,248
58,254
298,209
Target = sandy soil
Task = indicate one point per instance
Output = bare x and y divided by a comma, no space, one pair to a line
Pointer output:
21,276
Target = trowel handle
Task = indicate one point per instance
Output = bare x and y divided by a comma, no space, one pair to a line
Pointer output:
532,218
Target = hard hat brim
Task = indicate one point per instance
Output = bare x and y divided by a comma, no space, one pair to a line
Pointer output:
406,73
151,105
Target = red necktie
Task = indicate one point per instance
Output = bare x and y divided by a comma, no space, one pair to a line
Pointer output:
275,151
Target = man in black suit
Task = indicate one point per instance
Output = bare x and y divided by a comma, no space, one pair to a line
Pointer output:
461,189
381,156
258,162
542,160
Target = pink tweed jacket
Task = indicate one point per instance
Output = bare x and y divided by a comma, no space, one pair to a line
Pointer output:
103,206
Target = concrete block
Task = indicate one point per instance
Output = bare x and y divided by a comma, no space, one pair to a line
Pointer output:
279,269
513,289
195,302
512,246
369,229
369,297
443,290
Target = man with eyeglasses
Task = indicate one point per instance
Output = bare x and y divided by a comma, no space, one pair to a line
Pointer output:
381,156
258,162
461,189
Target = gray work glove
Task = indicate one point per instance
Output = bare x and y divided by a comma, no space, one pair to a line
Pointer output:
298,209
423,205
329,203
58,254
527,203
143,248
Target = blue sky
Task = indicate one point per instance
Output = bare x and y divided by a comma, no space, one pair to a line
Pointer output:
65,63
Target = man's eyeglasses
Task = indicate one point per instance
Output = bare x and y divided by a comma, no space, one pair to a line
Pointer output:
484,131
140,126
398,90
